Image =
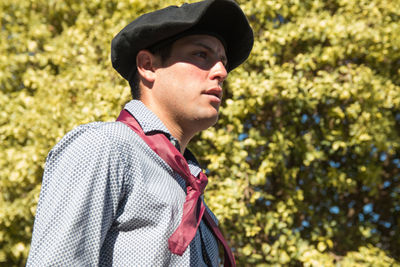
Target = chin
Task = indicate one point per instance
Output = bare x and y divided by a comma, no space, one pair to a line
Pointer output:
206,122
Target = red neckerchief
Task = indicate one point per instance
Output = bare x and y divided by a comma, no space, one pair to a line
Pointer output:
193,208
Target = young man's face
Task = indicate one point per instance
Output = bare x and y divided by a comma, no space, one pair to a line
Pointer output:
188,86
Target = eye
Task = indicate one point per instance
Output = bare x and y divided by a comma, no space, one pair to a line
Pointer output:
225,62
201,54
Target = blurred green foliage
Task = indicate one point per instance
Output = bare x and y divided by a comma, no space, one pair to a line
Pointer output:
304,162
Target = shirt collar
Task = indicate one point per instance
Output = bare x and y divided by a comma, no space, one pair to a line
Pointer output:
194,165
151,123
146,118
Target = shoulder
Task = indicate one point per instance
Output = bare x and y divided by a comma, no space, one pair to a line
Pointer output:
101,140
110,132
102,136
94,149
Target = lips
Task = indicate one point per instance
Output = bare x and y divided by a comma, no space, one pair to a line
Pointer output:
217,92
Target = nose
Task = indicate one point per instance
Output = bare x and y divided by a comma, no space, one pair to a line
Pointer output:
218,72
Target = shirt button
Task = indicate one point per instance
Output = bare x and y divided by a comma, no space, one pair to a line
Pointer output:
175,143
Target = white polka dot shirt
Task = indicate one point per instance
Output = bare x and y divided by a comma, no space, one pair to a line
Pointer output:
107,199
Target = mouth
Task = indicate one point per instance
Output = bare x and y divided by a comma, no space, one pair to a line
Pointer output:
217,92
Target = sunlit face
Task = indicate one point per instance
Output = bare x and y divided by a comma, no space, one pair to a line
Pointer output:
188,86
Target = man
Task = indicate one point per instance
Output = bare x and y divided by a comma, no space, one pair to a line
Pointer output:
129,193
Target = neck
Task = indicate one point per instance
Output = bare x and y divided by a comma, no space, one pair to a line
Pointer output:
182,134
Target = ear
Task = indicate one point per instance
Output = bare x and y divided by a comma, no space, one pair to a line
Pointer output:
145,65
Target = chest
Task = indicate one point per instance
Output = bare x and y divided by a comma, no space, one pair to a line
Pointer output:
154,194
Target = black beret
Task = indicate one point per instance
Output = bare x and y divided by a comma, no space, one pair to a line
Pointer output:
223,18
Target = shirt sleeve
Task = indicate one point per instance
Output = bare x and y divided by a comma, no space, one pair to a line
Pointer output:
81,188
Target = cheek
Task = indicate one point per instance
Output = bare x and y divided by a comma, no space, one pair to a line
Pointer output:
195,79
184,82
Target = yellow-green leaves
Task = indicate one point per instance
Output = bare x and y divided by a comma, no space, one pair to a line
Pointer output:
304,161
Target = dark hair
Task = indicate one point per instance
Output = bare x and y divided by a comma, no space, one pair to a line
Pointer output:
163,50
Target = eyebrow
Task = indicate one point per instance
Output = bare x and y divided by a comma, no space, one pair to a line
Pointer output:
223,58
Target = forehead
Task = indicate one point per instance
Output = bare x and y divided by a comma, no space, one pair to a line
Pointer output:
205,40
